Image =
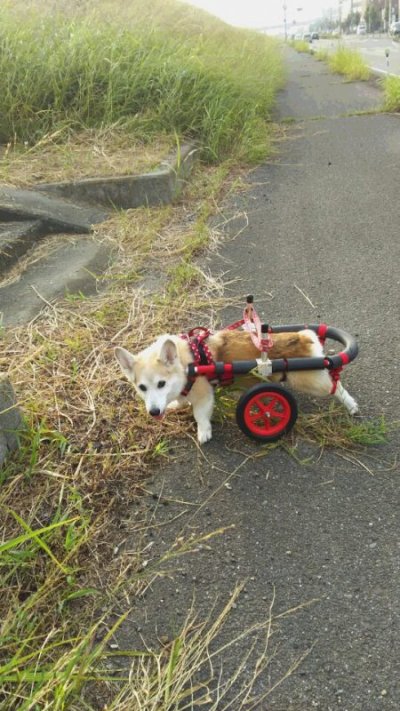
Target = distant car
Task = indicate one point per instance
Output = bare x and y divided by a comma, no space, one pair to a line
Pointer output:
362,29
307,37
314,36
395,29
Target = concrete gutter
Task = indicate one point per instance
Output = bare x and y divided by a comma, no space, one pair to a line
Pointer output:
159,187
16,238
11,420
56,214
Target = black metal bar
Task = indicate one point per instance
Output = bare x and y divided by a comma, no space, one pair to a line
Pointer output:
280,365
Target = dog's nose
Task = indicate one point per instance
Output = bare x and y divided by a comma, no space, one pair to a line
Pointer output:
155,412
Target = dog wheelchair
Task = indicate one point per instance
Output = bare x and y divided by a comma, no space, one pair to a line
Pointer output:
267,411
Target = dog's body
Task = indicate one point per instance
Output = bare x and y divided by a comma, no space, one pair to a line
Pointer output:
159,375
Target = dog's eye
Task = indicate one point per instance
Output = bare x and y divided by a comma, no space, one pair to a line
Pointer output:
161,383
142,388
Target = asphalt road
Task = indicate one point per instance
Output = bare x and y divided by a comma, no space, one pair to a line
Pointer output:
316,533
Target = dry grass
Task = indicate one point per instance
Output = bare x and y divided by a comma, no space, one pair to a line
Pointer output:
90,153
87,451
183,674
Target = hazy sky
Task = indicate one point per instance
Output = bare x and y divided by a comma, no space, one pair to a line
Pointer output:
259,13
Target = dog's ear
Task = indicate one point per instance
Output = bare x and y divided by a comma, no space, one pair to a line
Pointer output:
126,361
168,353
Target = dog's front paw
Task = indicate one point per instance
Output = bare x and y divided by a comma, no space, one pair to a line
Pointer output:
204,433
177,404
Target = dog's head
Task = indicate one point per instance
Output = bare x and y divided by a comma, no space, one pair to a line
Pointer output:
157,373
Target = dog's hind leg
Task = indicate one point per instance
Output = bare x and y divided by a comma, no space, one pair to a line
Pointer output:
319,383
346,399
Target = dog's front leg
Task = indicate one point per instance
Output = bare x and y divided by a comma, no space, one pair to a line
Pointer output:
202,398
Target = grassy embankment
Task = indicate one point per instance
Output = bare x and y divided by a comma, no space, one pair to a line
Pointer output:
148,73
155,68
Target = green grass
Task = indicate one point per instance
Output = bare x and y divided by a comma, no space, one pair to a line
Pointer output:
302,46
350,63
322,55
392,94
174,70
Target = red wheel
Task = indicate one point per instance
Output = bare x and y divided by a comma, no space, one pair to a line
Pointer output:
266,412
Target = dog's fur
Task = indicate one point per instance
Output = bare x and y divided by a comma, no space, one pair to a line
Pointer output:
158,373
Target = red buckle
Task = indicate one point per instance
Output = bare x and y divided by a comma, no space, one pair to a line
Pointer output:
321,333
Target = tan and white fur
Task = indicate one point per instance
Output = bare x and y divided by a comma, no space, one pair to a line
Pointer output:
158,373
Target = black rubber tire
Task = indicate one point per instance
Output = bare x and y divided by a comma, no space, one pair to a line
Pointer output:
266,412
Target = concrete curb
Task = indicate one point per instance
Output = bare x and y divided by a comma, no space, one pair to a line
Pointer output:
159,187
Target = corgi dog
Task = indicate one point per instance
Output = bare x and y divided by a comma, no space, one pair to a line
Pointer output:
159,373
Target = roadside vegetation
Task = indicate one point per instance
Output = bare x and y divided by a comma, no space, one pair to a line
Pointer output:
79,87
350,63
347,62
392,93
301,46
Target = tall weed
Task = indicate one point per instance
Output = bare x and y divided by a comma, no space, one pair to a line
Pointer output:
392,93
350,63
161,73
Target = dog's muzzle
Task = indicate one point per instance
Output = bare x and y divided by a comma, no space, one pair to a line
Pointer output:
156,413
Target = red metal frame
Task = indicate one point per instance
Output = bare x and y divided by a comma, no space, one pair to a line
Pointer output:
226,371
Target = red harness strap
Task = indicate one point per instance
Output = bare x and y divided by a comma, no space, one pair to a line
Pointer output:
234,325
251,323
196,338
202,356
335,377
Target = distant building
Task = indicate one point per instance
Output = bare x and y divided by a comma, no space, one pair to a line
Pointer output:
349,6
346,7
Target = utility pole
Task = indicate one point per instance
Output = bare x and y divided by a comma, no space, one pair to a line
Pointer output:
285,20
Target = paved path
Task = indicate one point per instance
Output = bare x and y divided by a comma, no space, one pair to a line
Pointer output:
323,216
